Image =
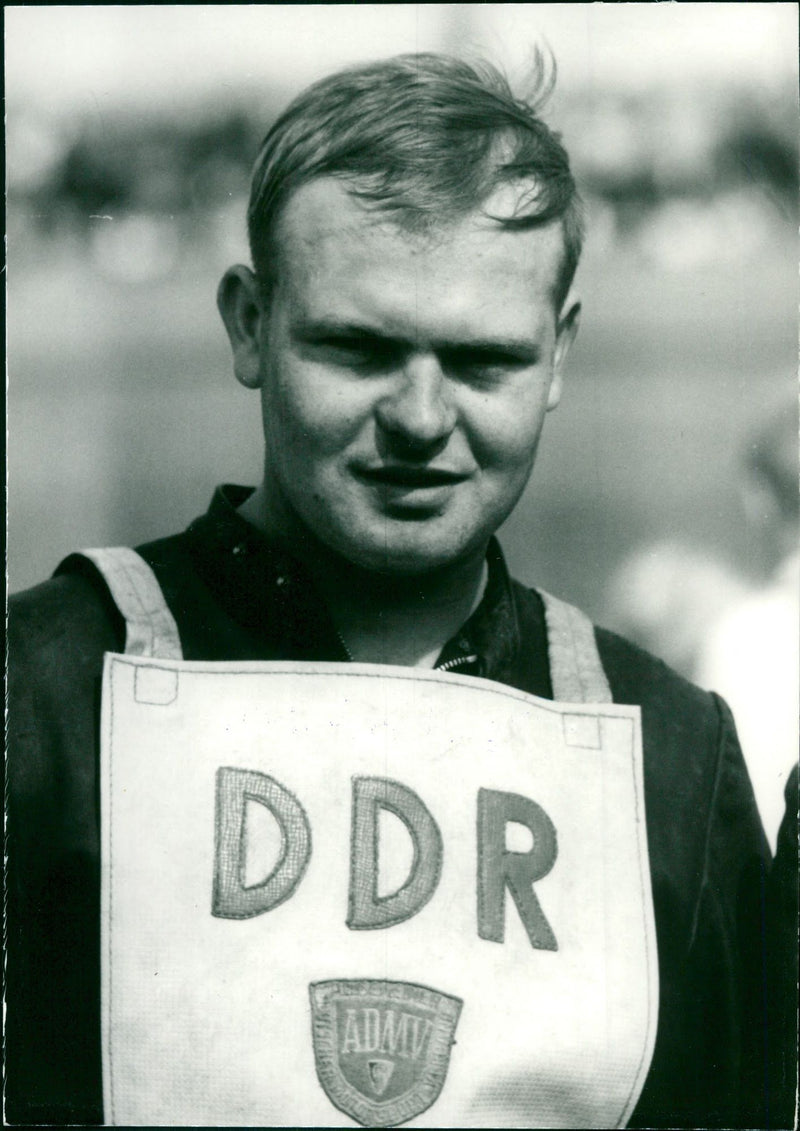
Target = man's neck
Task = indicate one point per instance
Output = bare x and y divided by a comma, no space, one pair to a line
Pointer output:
382,618
407,620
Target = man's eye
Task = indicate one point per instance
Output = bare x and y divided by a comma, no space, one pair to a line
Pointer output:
484,368
358,353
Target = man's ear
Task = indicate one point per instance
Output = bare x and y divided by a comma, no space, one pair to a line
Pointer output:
566,330
241,305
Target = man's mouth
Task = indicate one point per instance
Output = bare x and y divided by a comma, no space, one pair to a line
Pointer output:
410,478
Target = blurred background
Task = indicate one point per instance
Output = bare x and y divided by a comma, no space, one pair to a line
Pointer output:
130,136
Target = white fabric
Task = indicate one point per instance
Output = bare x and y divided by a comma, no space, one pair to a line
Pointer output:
207,1020
150,626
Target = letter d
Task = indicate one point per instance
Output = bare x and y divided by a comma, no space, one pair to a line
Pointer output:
368,910
231,899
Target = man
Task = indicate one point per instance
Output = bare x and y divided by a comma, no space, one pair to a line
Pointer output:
414,230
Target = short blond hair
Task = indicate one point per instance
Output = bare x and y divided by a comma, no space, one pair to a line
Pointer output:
425,138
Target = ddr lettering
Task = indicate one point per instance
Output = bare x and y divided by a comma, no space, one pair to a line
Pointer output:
498,868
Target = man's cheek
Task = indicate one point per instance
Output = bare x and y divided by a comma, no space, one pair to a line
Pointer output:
507,449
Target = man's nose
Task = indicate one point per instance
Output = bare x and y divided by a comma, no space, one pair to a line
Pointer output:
418,412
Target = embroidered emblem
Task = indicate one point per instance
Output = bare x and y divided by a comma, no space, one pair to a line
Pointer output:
382,1049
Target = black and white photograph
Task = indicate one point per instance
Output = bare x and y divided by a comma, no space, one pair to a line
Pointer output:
403,566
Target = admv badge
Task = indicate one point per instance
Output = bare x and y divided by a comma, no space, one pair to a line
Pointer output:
382,1048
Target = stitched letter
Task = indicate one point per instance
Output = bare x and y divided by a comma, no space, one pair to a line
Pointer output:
498,868
368,910
231,897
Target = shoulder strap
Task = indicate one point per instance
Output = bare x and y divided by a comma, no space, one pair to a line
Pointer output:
576,670
150,628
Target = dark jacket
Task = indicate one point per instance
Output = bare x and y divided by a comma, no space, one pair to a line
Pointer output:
234,596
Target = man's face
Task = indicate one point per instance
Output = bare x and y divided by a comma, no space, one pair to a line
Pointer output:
405,379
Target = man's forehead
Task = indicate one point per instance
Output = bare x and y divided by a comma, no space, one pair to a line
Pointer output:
328,207
324,218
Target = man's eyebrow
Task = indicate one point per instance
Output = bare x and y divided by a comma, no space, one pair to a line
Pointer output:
319,329
519,349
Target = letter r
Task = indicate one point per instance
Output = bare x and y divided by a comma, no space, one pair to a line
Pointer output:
498,868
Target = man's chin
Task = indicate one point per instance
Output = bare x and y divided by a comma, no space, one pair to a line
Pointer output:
401,559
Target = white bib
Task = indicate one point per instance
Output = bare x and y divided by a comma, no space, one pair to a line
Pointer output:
339,894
